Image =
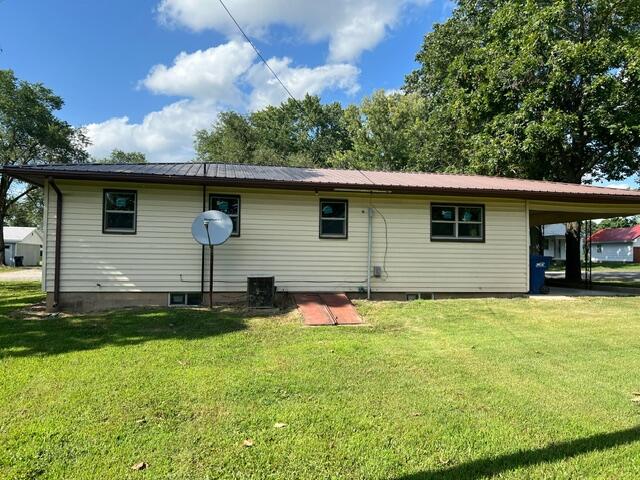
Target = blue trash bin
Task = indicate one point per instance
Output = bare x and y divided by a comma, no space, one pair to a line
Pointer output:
538,265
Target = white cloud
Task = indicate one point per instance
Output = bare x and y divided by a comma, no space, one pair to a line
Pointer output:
212,80
350,26
211,73
164,136
265,89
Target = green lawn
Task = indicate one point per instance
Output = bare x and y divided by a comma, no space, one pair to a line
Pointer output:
451,389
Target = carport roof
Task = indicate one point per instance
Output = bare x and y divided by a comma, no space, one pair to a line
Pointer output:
324,179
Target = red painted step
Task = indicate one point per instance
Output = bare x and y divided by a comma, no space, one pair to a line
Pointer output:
327,309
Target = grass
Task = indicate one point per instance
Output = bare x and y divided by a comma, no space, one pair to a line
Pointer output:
451,389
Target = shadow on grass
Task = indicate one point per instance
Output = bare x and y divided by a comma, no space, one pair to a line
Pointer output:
488,467
22,337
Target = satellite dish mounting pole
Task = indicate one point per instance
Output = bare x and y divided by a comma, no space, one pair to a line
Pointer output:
217,228
206,226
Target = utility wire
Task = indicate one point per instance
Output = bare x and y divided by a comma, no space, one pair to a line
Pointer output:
258,52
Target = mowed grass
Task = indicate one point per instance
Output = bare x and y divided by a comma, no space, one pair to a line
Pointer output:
451,389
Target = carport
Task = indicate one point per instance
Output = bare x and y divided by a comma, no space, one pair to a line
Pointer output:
547,212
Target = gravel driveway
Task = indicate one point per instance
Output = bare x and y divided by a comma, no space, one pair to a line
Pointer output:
26,274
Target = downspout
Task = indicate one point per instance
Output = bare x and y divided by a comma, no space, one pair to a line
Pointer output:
369,244
58,251
204,209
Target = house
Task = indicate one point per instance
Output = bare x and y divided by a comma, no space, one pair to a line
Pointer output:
25,242
119,235
616,245
555,241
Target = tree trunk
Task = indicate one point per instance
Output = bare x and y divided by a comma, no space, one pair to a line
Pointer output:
573,269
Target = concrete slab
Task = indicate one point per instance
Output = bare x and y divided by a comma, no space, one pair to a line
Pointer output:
559,293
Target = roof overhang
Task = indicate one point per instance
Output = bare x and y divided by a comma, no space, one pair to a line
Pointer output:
41,176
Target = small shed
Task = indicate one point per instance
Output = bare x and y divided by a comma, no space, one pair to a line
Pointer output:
25,242
616,245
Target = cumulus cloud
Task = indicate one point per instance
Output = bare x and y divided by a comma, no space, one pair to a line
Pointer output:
350,26
164,136
265,89
212,79
210,73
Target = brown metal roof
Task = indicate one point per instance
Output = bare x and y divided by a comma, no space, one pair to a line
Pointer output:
324,179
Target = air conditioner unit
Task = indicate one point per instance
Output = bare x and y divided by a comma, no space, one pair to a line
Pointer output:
261,292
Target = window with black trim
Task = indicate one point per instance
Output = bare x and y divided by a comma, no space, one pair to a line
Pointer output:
457,222
119,211
333,218
229,204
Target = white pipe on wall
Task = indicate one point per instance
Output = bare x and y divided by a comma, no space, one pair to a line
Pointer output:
370,241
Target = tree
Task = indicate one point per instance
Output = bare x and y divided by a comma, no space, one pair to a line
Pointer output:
30,133
122,157
387,132
618,222
535,89
297,132
26,212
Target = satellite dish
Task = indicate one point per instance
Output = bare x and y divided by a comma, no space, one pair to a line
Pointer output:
211,228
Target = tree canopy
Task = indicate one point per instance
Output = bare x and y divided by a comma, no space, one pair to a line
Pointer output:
534,89
30,133
618,222
121,157
300,133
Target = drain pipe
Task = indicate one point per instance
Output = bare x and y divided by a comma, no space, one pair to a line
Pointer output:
58,251
369,243
204,208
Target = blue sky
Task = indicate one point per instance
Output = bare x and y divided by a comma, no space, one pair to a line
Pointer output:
115,63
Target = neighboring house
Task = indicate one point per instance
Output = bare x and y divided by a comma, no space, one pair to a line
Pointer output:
616,245
555,241
118,235
25,242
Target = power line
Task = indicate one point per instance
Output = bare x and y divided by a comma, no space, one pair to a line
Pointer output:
258,52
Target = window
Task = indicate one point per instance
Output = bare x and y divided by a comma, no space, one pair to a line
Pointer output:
545,244
119,211
229,204
598,248
185,299
457,223
333,218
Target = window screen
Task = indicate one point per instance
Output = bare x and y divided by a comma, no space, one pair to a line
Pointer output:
229,204
119,211
333,218
457,222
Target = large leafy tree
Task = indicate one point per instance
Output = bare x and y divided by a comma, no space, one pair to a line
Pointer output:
26,212
30,133
297,132
387,132
618,222
121,157
535,89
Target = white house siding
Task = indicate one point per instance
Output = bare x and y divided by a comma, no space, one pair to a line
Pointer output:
612,252
30,254
279,237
